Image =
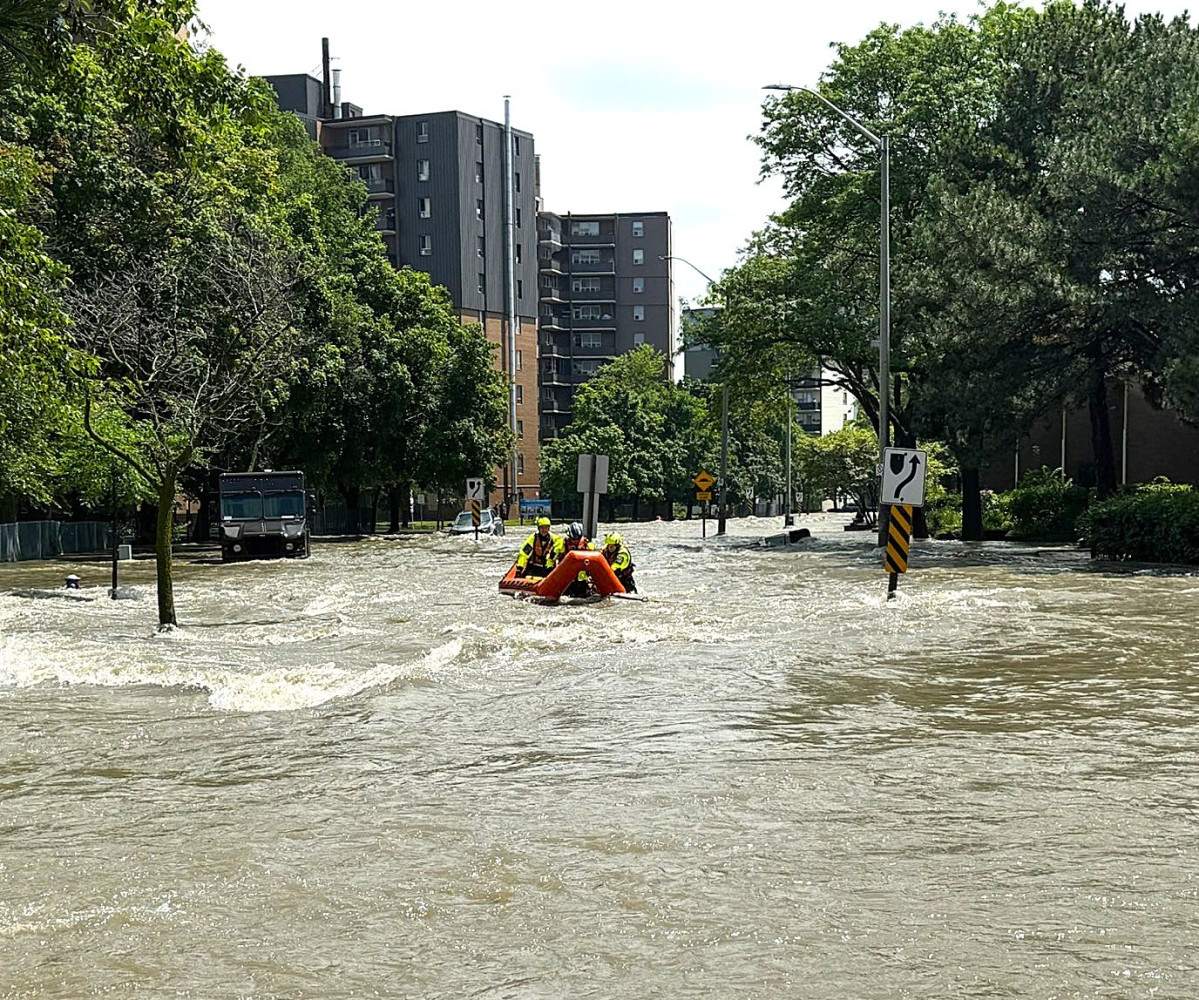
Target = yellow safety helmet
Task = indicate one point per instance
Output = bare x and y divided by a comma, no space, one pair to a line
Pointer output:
543,522
612,538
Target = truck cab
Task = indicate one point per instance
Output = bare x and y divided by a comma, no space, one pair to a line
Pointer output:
264,515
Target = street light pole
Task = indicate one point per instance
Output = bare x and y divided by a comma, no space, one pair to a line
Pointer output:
724,416
883,145
788,517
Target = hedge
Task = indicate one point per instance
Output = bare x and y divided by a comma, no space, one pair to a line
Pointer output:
1152,523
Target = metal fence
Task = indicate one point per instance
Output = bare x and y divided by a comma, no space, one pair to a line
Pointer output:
46,539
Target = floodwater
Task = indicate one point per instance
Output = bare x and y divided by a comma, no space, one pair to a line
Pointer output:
369,775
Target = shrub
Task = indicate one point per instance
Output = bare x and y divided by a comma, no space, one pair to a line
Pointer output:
1045,506
1151,522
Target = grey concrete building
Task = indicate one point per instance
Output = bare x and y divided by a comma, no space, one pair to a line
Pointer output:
605,288
437,181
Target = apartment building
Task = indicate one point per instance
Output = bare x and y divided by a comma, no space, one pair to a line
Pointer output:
605,288
437,181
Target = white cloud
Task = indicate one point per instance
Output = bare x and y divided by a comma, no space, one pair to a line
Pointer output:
634,106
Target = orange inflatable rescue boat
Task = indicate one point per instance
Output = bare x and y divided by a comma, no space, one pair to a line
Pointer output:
550,588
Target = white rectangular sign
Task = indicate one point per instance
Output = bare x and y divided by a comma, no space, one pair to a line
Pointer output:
903,476
474,489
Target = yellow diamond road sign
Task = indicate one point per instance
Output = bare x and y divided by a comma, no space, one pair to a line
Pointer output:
703,481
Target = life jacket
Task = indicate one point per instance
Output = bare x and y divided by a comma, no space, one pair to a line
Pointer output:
543,549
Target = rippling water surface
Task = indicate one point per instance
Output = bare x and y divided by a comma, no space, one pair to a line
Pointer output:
369,775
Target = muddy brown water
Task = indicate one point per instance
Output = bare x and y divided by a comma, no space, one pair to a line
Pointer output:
369,775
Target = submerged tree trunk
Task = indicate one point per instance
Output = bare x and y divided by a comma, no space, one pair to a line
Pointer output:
162,550
972,506
404,492
393,509
1101,436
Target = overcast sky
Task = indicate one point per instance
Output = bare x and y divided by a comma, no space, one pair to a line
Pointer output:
634,106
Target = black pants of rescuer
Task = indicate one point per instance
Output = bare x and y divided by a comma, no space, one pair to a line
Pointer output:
626,581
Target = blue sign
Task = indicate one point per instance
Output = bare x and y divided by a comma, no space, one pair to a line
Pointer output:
535,508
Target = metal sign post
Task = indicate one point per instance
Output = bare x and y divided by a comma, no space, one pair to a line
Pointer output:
475,488
703,493
903,489
591,482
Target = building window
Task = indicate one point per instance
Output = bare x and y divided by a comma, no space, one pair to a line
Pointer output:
370,171
424,207
422,170
548,367
584,284
518,257
479,135
589,341
520,361
520,293
518,180
585,367
520,464
639,256
518,218
361,138
426,246
548,340
638,339
516,144
520,427
639,313
638,228
585,257
584,229
478,171
478,208
520,393
422,131
482,283
481,246
586,312
638,285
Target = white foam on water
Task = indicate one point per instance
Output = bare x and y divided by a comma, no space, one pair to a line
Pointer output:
265,689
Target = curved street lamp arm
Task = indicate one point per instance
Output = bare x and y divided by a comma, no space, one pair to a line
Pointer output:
878,143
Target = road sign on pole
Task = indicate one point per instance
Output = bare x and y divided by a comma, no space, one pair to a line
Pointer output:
474,489
703,494
903,476
703,482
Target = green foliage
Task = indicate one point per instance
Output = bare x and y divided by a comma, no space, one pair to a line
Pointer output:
1158,523
33,328
842,463
1046,506
656,434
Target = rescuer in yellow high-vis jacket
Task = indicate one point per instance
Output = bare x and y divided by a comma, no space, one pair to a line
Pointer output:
540,552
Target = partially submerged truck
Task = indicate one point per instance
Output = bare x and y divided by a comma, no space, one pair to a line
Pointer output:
263,515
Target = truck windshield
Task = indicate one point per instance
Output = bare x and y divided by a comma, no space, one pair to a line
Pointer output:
283,504
241,506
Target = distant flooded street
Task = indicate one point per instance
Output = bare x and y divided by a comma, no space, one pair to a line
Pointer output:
367,774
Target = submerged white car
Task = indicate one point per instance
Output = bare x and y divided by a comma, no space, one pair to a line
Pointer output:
489,524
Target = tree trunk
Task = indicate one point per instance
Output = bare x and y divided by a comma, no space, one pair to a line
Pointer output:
972,506
352,496
404,490
393,503
1101,436
162,550
636,506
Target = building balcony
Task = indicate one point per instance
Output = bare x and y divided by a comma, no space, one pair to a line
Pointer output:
380,187
601,267
361,152
553,406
